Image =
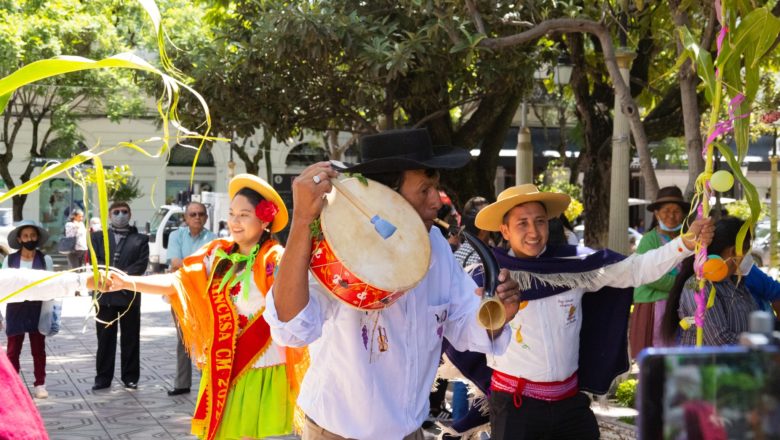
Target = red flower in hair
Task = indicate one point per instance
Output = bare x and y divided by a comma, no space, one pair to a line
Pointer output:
266,211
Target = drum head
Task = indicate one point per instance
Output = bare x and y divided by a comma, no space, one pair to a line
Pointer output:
397,263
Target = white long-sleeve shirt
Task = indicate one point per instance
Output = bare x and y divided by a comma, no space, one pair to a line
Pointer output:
545,333
62,285
352,388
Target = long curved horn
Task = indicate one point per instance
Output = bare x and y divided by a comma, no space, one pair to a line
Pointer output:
491,313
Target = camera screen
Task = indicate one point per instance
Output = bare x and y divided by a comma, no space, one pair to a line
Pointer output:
709,393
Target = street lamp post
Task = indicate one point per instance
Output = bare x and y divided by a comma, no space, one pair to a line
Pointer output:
619,183
524,159
773,205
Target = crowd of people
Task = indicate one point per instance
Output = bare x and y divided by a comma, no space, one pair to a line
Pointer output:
268,336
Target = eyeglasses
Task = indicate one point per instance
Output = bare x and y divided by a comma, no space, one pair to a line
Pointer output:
120,211
197,214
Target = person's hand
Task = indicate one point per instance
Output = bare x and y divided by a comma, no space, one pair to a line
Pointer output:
508,291
309,189
101,284
701,231
120,282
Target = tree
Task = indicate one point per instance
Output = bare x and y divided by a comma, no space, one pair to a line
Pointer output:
588,36
459,68
34,30
121,184
340,66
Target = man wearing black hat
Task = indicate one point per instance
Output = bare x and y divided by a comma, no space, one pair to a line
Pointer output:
347,392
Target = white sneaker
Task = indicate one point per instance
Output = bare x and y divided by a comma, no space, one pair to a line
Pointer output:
39,391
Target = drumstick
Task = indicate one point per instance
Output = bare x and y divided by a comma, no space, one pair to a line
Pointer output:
383,227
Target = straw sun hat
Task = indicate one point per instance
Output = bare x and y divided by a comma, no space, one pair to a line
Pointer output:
267,191
491,217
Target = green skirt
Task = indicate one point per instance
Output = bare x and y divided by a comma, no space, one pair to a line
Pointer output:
257,406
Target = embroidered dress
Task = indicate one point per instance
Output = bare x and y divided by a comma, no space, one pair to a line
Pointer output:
249,384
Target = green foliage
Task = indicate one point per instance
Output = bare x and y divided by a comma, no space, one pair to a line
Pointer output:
626,393
315,228
741,209
50,108
556,179
361,178
338,64
120,184
671,151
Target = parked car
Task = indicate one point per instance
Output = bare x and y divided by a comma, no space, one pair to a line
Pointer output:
633,237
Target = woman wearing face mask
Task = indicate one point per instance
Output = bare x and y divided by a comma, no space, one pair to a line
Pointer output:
23,317
249,382
669,209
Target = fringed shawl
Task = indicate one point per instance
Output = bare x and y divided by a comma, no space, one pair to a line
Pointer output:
193,311
604,333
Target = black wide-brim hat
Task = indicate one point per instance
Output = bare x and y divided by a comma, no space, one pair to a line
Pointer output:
407,149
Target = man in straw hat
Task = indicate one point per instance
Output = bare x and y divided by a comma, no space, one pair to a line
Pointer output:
563,340
351,389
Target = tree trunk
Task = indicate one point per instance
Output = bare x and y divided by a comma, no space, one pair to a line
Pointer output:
18,207
690,106
252,163
592,97
478,177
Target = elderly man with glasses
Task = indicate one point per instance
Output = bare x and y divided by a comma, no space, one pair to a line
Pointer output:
182,243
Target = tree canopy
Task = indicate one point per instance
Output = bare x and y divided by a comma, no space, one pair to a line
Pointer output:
459,68
49,109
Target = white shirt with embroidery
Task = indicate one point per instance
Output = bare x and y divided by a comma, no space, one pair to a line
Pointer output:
545,332
357,391
250,306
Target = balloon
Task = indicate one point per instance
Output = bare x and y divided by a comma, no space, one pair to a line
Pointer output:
721,181
715,269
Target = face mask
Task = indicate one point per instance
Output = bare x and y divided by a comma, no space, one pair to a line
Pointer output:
30,245
668,229
120,221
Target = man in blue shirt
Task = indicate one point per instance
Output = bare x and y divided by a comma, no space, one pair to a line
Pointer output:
182,243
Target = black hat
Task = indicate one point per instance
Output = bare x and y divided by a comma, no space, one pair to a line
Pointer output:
669,194
407,149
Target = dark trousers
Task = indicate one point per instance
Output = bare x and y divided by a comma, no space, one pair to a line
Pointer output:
38,349
539,419
130,326
183,363
76,259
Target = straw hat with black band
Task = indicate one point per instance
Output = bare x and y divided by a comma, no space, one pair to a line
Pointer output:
491,217
255,183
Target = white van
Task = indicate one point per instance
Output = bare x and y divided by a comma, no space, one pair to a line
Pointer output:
169,218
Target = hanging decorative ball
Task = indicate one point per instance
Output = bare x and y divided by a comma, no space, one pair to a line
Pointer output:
721,181
715,269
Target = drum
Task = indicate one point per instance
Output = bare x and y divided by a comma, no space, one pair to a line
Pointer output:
351,260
